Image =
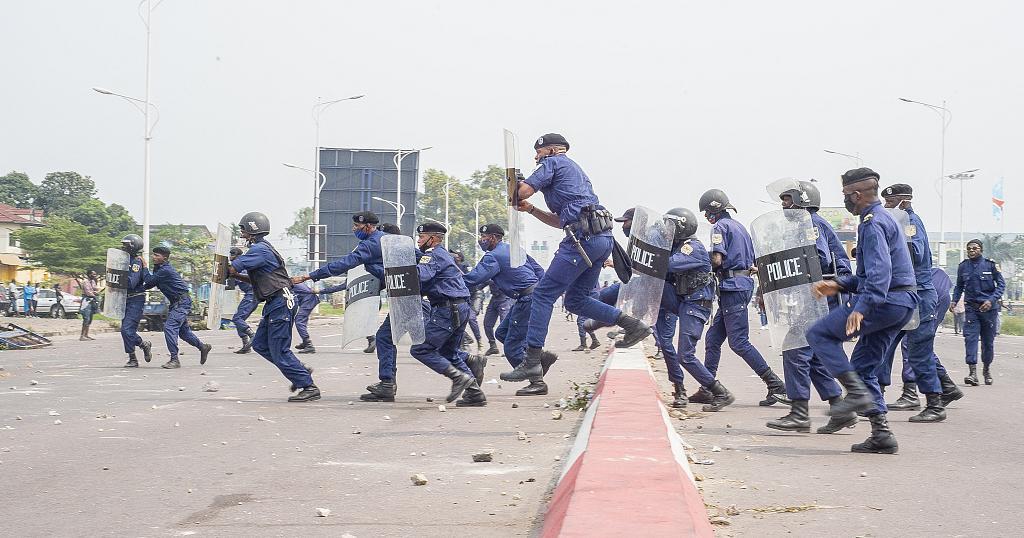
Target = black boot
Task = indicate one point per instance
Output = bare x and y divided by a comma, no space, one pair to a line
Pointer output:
796,421
472,397
537,387
882,441
371,344
384,391
583,344
838,421
147,350
305,342
776,389
986,374
309,369
908,401
307,394
132,361
246,345
933,411
721,397
857,400
972,376
171,364
594,344
703,396
679,400
529,368
310,348
204,352
492,350
476,364
460,382
950,392
633,330
546,360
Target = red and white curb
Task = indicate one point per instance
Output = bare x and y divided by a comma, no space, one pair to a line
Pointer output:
627,473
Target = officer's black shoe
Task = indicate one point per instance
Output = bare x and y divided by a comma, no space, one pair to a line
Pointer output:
882,441
908,401
171,364
986,374
132,363
972,375
204,352
308,349
383,391
309,369
933,411
492,350
308,394
472,397
796,421
702,396
721,397
371,344
529,368
594,344
838,421
776,389
679,400
583,344
546,360
857,400
302,345
147,350
246,345
460,382
950,392
537,387
634,331
476,364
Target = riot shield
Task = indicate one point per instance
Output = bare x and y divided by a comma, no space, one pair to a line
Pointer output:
116,278
902,219
517,254
229,302
362,303
650,245
402,280
787,267
221,250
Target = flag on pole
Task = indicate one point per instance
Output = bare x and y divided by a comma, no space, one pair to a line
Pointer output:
997,200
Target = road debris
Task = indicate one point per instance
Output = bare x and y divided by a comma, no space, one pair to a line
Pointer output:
418,479
556,415
211,386
323,512
480,457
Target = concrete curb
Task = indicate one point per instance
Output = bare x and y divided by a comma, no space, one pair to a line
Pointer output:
627,473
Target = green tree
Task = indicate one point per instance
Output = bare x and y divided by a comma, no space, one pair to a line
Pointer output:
17,190
995,247
113,220
66,247
63,191
300,227
191,252
486,186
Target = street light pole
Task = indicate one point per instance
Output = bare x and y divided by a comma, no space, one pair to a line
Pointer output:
476,217
856,158
318,178
962,177
944,113
447,185
321,181
399,155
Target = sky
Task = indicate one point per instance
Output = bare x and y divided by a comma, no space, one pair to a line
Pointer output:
660,101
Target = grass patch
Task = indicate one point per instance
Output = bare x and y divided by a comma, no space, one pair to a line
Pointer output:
1013,325
331,311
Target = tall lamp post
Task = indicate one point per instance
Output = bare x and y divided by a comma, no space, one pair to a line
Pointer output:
447,186
962,177
856,158
946,117
399,155
321,181
318,178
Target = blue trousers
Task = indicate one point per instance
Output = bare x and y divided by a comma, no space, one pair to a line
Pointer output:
273,341
474,324
691,319
130,324
387,353
444,335
245,309
177,326
980,326
877,332
512,330
305,307
731,322
569,274
496,312
918,348
802,369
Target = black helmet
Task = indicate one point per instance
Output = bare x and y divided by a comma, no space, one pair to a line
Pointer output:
254,223
235,251
131,244
804,195
685,221
714,201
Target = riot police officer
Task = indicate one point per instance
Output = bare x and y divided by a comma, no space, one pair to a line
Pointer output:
165,277
265,270
981,283
732,256
136,302
497,310
306,300
246,306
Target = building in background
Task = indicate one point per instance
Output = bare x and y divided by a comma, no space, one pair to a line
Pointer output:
13,265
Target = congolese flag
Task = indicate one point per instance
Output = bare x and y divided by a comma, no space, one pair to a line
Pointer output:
997,200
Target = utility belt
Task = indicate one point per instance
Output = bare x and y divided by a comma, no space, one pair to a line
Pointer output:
593,221
139,294
448,302
524,293
731,273
691,281
903,288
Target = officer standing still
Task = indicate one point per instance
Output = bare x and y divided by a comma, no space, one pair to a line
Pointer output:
135,303
165,277
576,265
264,269
246,306
981,284
884,302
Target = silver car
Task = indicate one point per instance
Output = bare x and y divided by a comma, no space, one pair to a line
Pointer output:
46,303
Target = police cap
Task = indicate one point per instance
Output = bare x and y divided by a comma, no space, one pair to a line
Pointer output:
492,229
859,174
551,139
628,215
899,189
431,228
365,217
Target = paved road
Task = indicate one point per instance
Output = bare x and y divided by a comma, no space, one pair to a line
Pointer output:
147,453
960,477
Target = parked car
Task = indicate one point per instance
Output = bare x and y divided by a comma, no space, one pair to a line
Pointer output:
154,312
47,304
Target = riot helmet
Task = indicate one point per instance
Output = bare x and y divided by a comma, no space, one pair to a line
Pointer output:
685,223
254,223
714,201
132,244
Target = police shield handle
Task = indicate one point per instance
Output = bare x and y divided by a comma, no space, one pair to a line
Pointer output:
217,300
116,277
220,269
362,304
517,254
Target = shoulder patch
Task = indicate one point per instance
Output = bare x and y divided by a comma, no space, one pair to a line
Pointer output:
910,230
686,249
136,267
717,239
868,217
425,259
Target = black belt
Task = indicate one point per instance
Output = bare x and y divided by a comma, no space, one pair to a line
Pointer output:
448,302
524,293
733,273
903,288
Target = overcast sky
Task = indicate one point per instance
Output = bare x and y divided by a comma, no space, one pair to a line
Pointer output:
660,101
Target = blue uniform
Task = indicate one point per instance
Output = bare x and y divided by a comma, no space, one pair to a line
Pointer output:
306,300
691,311
884,286
135,305
516,283
497,310
246,307
166,278
730,239
474,314
943,286
567,190
979,280
273,339
445,311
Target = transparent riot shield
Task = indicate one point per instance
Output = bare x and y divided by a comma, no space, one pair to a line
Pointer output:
787,267
229,301
362,303
221,250
402,280
650,245
517,254
902,219
116,278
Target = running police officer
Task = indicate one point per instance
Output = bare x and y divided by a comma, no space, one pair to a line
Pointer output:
265,270
884,302
134,306
732,256
246,306
306,300
576,266
981,283
497,310
165,277
475,303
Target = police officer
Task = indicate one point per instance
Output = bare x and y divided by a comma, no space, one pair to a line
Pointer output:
165,277
518,284
265,270
246,307
576,265
496,312
687,298
800,366
306,300
475,303
136,302
583,332
981,283
885,300
732,256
